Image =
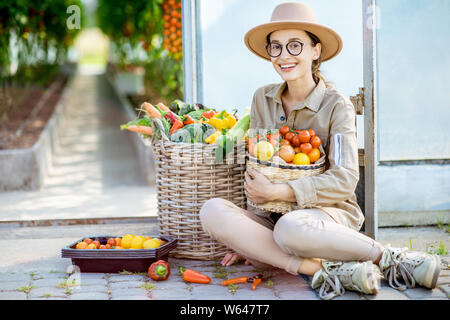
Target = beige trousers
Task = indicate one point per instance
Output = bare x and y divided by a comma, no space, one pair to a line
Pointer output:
307,233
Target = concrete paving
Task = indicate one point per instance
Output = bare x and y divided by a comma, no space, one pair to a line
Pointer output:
95,188
31,268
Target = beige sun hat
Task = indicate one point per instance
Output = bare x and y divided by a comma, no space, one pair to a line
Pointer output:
293,15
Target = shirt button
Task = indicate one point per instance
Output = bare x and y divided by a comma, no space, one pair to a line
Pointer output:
282,118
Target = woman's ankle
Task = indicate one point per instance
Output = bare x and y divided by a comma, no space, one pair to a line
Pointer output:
377,260
310,266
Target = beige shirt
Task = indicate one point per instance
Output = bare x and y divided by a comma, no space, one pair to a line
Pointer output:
332,116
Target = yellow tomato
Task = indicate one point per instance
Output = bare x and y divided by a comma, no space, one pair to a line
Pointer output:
301,159
138,242
126,241
264,150
151,244
161,242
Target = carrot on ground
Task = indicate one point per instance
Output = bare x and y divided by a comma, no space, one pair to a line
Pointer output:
234,281
151,111
256,282
141,129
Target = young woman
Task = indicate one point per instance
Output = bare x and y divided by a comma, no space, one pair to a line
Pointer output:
322,238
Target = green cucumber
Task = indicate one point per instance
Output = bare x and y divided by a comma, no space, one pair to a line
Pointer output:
234,135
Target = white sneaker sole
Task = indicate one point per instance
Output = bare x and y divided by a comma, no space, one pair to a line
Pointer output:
371,281
433,271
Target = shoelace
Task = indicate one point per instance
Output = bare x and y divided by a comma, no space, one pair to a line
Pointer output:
399,268
331,282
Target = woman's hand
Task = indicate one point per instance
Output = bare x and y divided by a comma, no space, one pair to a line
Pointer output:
259,189
230,258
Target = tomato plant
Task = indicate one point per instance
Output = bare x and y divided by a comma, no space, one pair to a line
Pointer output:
34,40
147,34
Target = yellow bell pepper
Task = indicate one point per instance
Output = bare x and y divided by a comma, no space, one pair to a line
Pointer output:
222,120
212,138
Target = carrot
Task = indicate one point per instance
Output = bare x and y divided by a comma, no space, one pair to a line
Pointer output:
163,107
190,275
188,120
151,111
141,129
256,282
177,124
234,281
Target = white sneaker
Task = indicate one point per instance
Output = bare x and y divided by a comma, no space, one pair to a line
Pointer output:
335,277
411,267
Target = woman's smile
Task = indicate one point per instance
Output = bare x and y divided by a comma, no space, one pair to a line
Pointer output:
287,67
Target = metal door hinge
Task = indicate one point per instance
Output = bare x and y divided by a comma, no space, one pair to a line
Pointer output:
358,101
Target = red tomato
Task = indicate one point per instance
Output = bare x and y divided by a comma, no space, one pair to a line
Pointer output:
306,147
314,155
251,148
315,142
97,243
304,136
296,141
288,136
274,139
284,130
274,136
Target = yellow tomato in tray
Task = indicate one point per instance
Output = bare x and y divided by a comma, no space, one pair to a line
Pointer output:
138,242
126,241
161,242
81,245
152,244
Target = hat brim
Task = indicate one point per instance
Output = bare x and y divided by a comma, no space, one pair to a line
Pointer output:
255,38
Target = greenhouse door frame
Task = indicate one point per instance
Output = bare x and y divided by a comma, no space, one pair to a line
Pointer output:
371,156
365,101
192,51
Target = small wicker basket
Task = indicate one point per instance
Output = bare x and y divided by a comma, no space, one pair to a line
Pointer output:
187,175
278,173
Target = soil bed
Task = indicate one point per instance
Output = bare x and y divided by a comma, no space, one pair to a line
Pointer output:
23,114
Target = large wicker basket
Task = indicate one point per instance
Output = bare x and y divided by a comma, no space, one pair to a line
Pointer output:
279,173
187,175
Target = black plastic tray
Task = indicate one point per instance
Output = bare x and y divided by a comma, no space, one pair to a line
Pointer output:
117,260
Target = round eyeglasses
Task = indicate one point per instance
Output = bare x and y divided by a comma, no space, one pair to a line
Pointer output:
294,48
